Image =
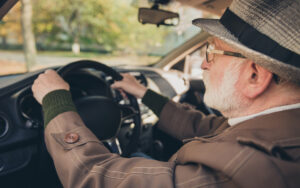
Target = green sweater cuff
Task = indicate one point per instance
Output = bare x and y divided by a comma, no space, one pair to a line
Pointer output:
55,103
155,101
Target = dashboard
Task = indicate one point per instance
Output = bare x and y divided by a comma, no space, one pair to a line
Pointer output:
21,118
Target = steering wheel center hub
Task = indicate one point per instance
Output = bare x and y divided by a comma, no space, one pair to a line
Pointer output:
101,115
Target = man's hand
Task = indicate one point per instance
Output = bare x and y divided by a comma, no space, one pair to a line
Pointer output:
47,82
130,85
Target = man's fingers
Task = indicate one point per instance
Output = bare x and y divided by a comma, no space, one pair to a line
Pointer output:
33,87
47,82
50,71
123,93
125,74
117,84
39,76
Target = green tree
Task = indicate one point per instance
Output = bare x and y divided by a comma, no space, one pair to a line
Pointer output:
111,24
10,25
27,33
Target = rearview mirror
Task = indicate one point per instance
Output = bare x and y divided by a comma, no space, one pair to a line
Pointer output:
157,17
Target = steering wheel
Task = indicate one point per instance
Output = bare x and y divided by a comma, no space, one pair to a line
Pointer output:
102,114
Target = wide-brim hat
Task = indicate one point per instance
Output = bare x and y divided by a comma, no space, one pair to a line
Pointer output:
265,31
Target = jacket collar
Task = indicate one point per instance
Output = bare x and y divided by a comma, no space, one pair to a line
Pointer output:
274,127
234,121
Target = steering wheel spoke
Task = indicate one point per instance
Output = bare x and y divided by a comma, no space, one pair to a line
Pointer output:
114,145
128,112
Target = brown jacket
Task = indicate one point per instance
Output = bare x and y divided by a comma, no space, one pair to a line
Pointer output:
262,152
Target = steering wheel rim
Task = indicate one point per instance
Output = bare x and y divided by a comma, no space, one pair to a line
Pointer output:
64,70
77,65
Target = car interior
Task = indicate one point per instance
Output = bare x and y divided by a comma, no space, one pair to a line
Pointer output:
124,124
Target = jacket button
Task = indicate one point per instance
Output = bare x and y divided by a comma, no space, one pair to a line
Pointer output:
71,138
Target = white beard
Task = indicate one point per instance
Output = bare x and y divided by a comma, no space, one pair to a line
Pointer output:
224,98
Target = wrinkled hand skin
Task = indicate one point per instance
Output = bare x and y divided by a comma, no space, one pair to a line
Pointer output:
47,82
130,85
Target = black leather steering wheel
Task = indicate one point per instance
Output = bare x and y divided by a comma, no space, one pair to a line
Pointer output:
102,114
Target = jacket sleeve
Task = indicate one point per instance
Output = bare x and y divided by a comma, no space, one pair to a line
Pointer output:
179,120
87,163
182,121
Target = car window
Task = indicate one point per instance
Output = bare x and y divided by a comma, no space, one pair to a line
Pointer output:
194,61
105,32
191,63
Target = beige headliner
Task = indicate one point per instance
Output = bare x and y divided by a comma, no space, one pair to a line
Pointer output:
212,6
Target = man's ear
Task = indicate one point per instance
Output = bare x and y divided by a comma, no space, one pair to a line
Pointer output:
255,80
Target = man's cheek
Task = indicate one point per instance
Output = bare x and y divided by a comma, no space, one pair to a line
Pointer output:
217,78
206,77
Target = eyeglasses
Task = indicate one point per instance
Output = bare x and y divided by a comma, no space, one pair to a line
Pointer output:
211,51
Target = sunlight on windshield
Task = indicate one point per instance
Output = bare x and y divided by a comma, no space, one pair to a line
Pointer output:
107,31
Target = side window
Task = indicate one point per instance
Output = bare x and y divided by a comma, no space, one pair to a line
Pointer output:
179,65
193,62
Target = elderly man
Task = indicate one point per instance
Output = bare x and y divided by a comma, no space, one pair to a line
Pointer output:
251,74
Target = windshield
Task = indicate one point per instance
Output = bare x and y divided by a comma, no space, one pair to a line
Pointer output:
42,34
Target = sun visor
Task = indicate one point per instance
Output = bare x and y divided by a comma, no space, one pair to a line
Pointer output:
5,6
213,6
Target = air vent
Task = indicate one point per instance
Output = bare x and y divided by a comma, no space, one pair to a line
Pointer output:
3,126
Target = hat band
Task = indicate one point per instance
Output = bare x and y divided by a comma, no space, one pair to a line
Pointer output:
257,41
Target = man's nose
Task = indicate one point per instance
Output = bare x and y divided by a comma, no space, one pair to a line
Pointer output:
205,65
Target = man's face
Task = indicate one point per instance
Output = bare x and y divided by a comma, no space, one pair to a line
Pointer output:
220,78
